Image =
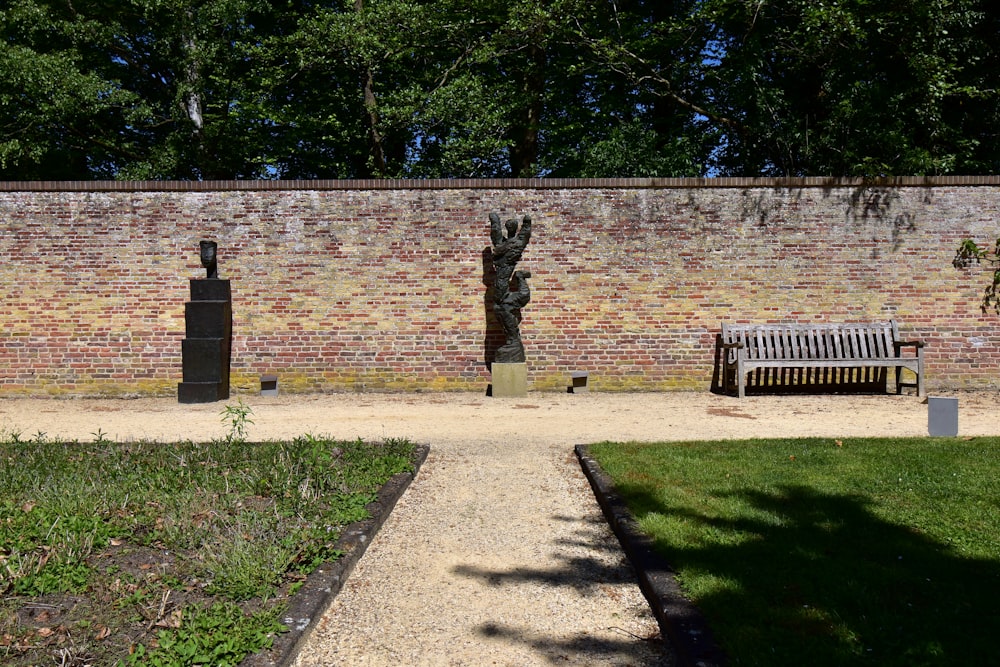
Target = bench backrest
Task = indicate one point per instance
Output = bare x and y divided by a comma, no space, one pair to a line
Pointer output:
813,341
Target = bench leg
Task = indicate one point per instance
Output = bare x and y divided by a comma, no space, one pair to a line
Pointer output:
921,389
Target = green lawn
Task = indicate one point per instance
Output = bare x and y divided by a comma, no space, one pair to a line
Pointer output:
828,552
169,554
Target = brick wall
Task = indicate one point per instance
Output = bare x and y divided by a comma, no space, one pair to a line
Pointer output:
377,285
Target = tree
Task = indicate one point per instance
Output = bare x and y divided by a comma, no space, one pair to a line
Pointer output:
850,87
474,88
450,88
855,87
656,58
54,112
140,89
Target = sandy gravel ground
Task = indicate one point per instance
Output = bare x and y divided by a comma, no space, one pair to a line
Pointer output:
498,553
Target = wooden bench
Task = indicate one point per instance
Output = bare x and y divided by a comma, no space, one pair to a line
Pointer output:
798,355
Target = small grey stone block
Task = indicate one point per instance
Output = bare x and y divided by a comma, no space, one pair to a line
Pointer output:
268,385
942,416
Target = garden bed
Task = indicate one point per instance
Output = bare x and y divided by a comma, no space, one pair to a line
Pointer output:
177,553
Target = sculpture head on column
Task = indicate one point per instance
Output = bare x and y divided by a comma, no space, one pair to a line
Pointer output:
208,258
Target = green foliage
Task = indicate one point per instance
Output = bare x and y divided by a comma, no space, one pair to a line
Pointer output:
138,89
45,546
970,253
219,635
238,418
633,150
254,558
827,552
410,88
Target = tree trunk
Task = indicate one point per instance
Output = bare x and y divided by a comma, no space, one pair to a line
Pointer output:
375,139
524,146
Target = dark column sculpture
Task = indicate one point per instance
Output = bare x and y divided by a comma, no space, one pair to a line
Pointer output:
208,320
510,290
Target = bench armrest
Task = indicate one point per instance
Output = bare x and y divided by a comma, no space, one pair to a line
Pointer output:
732,346
908,343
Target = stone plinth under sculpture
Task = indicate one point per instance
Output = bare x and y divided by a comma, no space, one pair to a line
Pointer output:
207,347
509,380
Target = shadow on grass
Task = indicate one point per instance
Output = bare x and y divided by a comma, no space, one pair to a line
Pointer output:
589,576
820,579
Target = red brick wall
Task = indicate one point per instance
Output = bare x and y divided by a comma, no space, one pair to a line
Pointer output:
380,285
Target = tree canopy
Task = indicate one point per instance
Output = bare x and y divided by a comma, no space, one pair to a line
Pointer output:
245,89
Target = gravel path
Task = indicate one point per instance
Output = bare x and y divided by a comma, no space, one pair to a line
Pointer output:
498,553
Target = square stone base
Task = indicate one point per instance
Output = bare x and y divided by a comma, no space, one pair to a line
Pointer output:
202,392
509,380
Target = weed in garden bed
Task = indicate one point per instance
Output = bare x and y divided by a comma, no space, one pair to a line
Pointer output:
169,554
238,418
828,552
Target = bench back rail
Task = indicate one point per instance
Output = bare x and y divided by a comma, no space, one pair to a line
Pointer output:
791,341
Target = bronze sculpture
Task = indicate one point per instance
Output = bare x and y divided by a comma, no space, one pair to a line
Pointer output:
207,347
209,250
509,241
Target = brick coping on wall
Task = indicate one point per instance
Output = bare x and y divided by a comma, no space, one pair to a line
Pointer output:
494,183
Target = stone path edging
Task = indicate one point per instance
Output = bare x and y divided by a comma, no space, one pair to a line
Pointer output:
679,619
322,586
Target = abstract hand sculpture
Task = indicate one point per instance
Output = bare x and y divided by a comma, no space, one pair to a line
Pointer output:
507,250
